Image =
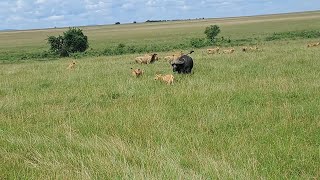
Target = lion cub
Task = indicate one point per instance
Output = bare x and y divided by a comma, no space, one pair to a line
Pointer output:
136,72
165,78
72,65
228,51
313,44
213,50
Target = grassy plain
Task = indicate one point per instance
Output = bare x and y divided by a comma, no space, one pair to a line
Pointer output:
14,45
248,115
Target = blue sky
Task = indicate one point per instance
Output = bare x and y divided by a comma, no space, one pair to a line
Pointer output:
34,14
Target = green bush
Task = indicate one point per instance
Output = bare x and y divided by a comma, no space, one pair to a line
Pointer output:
199,42
72,41
75,40
212,32
293,35
56,43
120,49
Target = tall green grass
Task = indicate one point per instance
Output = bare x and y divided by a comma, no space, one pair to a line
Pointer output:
294,35
241,116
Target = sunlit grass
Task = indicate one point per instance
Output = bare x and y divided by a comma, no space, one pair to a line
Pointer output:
240,116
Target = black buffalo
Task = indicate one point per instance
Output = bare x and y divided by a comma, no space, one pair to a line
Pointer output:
183,64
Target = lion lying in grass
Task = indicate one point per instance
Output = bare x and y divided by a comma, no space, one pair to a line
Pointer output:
313,44
146,59
72,65
252,48
136,72
173,57
213,50
229,51
165,78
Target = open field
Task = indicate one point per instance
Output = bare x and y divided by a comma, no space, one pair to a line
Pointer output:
14,45
248,115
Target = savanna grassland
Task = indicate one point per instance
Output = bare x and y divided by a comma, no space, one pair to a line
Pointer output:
251,115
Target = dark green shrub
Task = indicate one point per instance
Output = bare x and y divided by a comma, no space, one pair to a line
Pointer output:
199,42
55,43
212,32
120,49
107,52
293,35
131,49
72,41
75,41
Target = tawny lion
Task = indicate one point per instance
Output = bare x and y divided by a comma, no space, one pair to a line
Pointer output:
173,57
137,72
213,50
165,78
150,55
313,44
72,65
146,59
253,48
246,49
168,58
228,51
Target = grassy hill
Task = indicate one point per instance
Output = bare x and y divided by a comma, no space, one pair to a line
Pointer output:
164,36
248,115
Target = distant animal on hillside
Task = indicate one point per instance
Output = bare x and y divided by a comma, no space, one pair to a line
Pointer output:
183,64
72,65
313,44
146,59
136,72
165,78
229,51
246,49
254,48
213,50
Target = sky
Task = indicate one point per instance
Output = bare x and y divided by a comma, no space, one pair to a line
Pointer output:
38,14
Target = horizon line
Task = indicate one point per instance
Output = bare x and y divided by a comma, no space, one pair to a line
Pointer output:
188,19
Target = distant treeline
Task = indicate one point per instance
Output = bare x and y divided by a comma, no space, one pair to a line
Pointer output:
150,21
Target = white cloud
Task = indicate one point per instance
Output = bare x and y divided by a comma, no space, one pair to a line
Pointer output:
15,18
55,18
185,7
20,4
151,3
91,5
128,6
24,14
41,1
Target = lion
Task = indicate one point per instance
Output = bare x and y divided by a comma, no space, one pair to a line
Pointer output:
313,44
165,78
72,65
136,72
213,50
146,59
228,51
